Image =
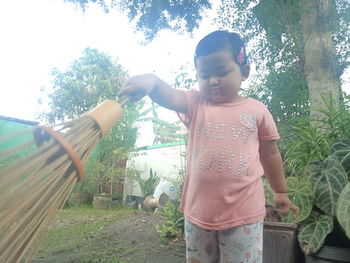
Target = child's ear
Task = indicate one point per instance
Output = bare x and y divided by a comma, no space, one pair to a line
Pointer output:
245,72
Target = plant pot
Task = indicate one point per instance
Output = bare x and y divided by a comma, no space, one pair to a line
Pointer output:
139,201
281,243
80,198
130,204
102,201
329,254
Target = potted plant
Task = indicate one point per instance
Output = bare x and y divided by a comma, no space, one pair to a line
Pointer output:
319,160
147,186
84,190
103,198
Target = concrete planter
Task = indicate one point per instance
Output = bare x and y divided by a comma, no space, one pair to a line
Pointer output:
102,201
281,243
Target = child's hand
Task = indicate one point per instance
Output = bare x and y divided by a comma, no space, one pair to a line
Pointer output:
138,86
284,205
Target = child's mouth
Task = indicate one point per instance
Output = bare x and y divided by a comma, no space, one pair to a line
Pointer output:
215,91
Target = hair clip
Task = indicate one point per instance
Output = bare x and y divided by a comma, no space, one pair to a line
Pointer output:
240,56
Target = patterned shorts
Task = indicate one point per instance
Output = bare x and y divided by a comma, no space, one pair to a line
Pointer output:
242,244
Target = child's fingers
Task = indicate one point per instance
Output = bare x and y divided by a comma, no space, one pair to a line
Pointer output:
125,89
295,210
283,209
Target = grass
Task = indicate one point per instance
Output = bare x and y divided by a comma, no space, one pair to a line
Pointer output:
75,229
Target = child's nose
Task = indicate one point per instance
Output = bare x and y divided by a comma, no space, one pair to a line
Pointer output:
213,81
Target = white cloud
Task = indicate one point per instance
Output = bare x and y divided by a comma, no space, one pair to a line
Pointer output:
37,36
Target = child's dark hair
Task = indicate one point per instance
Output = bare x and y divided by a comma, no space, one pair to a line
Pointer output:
222,40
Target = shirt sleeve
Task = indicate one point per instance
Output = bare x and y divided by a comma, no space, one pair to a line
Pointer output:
267,126
192,98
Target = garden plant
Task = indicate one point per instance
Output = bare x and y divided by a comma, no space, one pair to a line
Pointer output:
318,167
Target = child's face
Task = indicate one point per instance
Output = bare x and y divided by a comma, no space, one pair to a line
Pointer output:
220,77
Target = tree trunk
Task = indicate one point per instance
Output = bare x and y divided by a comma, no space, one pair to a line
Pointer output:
320,55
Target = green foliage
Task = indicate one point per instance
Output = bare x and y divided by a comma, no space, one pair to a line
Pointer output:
89,183
150,184
89,80
313,232
150,17
147,186
341,150
318,158
304,144
173,226
274,31
305,141
343,209
300,192
329,179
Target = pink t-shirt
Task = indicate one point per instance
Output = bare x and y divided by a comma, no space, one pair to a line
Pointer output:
223,186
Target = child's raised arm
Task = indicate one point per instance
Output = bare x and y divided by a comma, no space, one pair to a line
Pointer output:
158,90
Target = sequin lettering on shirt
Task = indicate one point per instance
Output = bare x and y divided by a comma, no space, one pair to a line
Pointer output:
243,168
224,161
246,128
205,159
219,130
204,130
226,158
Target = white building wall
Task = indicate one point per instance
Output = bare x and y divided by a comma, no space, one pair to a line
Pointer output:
167,162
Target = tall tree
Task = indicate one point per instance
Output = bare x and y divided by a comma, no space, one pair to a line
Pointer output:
320,70
283,35
152,16
303,45
89,80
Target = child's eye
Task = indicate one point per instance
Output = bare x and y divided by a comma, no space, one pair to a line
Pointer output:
222,73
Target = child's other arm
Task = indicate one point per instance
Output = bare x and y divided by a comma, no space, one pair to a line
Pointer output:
158,90
271,160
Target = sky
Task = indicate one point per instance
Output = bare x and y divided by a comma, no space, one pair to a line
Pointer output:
37,36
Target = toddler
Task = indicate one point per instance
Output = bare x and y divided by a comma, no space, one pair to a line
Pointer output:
231,144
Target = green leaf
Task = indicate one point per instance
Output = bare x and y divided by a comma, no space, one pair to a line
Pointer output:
313,232
341,149
329,179
343,209
299,192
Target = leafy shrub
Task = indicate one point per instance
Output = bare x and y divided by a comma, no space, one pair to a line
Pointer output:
319,160
147,186
173,226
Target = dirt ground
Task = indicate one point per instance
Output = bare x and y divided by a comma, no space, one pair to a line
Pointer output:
139,232
131,239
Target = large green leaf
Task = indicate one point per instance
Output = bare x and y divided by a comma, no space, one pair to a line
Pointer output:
343,209
313,232
341,149
300,193
329,179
